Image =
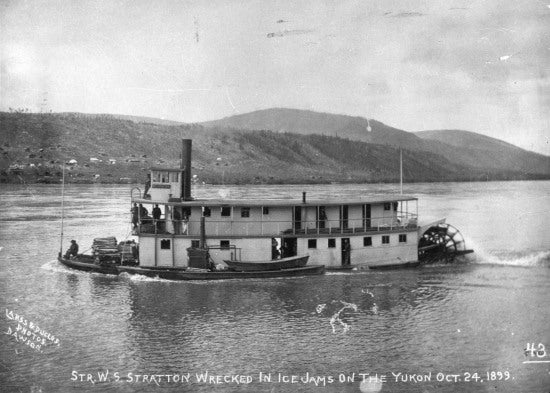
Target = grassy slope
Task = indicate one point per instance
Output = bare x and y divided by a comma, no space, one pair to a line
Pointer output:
460,147
469,148
232,156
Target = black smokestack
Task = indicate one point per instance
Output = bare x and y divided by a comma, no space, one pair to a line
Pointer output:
186,166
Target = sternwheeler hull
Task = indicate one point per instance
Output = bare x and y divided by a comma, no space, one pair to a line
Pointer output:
85,263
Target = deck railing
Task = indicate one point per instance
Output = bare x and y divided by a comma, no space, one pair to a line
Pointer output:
277,228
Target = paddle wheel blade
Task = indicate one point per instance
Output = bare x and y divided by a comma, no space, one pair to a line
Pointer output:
441,243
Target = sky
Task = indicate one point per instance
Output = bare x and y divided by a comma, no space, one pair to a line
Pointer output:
482,66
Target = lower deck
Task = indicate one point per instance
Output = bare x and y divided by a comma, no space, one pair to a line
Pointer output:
363,250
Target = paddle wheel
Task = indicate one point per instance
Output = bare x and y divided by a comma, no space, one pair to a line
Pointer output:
441,243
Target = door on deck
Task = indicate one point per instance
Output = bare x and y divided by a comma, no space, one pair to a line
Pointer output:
344,216
321,217
297,218
289,247
366,216
346,251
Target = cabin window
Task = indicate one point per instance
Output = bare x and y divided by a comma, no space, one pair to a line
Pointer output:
312,243
386,239
245,212
403,238
265,210
195,243
367,241
186,211
174,177
226,211
164,177
165,244
206,212
387,206
224,244
331,243
395,204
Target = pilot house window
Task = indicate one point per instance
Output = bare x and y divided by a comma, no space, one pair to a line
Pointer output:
245,212
403,238
174,177
386,239
165,244
226,211
387,206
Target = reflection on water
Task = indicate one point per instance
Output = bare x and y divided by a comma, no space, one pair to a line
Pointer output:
476,316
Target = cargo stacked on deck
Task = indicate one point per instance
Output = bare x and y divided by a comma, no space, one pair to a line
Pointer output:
106,248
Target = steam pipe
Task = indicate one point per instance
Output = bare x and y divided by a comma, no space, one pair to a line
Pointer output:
186,169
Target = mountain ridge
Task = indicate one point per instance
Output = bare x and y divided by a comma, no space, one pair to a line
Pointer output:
33,147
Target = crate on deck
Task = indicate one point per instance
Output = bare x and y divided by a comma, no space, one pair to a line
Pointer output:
106,248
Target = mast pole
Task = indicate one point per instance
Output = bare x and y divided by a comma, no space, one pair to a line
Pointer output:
62,209
401,170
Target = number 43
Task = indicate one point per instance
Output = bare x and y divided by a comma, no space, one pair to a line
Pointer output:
538,351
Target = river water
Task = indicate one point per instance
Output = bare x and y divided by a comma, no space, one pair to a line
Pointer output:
445,328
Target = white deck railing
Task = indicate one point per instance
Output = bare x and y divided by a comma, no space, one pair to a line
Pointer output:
278,228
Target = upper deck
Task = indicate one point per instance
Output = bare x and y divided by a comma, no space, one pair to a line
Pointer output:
369,199
280,217
177,213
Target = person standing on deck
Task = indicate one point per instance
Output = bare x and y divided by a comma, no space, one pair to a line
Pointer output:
347,253
147,186
143,213
156,216
135,215
185,222
176,220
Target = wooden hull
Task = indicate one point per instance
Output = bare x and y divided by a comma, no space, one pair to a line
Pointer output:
187,275
396,266
277,264
85,263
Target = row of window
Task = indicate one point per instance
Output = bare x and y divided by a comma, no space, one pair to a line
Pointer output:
311,243
225,211
367,241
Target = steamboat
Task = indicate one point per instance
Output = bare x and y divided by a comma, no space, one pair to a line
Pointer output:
182,238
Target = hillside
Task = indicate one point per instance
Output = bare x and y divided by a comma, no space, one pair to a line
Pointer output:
33,148
308,122
464,148
480,151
